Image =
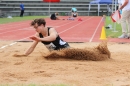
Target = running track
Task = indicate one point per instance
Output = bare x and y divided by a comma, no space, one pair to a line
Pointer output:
88,30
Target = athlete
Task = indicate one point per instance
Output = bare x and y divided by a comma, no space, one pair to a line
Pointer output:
46,35
54,16
74,14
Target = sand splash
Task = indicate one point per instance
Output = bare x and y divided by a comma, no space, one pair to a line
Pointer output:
98,53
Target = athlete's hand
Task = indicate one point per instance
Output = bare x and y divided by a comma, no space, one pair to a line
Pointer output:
34,38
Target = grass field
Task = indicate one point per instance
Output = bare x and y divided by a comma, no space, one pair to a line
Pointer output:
115,31
15,19
112,33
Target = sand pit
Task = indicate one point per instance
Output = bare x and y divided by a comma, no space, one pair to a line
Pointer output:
79,70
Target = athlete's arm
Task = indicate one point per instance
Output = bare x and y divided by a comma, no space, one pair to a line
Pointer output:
123,5
31,48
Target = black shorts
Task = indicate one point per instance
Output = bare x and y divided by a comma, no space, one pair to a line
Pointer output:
66,45
74,15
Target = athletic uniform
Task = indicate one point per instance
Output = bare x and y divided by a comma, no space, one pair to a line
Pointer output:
53,16
74,10
74,15
56,44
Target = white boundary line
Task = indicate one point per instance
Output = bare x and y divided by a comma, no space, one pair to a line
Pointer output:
23,38
10,25
12,43
29,36
4,46
74,25
31,27
95,31
16,30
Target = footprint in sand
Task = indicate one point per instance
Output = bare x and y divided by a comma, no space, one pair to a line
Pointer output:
18,55
18,63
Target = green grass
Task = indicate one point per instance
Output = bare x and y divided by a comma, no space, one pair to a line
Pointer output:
110,33
115,32
16,19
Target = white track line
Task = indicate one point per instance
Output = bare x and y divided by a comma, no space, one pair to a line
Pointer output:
12,25
8,45
13,43
3,46
16,30
31,27
74,25
23,38
95,30
29,36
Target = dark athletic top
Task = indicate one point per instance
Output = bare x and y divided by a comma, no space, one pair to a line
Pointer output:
56,44
53,16
74,15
